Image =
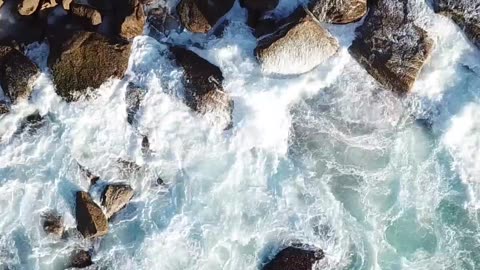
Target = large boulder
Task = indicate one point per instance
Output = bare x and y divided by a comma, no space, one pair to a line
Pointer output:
86,60
199,16
4,108
203,87
390,46
133,97
465,13
17,73
341,12
294,258
297,46
91,222
115,198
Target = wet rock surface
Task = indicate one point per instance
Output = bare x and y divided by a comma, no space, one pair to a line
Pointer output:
465,13
87,60
199,16
17,73
133,98
80,259
162,22
31,124
91,222
390,46
203,87
52,223
115,197
295,258
298,46
341,12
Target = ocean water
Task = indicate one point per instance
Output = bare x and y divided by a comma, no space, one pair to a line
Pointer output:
326,158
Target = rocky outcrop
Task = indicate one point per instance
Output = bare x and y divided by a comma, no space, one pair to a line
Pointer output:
131,17
199,16
80,259
465,13
162,23
256,8
203,87
17,73
294,258
299,45
390,46
91,222
341,12
86,60
52,223
115,198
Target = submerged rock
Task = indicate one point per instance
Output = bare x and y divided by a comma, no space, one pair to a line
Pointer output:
131,18
390,46
341,12
80,259
299,45
203,87
294,258
199,16
52,223
17,73
31,124
162,22
86,60
133,97
465,13
91,222
115,198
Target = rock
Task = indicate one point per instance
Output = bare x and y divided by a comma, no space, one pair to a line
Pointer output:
53,223
87,15
465,13
125,18
89,175
84,61
259,5
199,16
299,45
134,21
341,12
28,7
17,73
162,23
4,108
80,259
133,97
390,46
145,145
115,198
31,124
91,222
294,258
203,87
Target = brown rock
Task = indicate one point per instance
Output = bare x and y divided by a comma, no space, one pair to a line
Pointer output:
390,46
1,3
199,16
341,12
134,22
465,13
115,198
91,222
89,15
84,61
17,73
299,45
66,4
28,7
53,223
80,259
294,258
203,87
162,22
4,108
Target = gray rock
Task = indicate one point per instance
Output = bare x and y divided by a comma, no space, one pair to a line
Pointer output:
390,46
115,198
133,97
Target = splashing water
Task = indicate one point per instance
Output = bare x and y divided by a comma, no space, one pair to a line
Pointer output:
375,180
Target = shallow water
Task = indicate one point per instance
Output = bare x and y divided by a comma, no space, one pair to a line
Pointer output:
326,158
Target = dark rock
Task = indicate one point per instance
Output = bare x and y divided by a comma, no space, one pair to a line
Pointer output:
341,12
115,198
4,108
52,223
390,46
203,87
80,259
89,175
294,258
86,60
129,166
299,45
91,222
259,5
162,22
465,13
133,97
125,18
160,181
88,15
199,16
17,73
31,124
28,7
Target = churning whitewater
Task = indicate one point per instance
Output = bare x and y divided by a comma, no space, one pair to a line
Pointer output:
374,179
